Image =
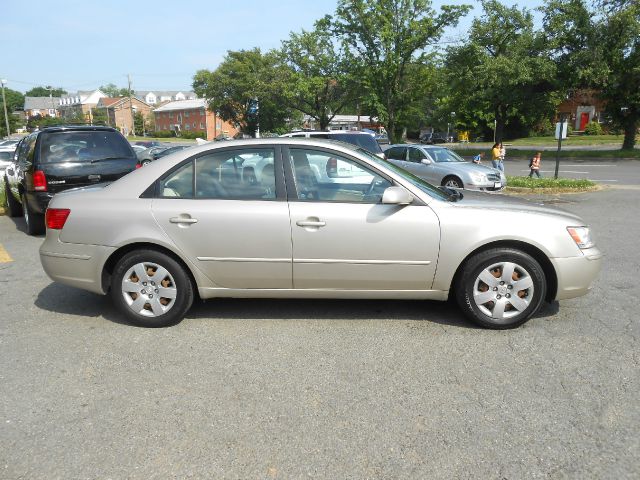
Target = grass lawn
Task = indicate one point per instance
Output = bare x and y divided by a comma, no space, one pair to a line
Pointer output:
550,185
2,198
469,151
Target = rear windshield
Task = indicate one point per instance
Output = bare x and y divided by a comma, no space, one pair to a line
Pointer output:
368,142
90,146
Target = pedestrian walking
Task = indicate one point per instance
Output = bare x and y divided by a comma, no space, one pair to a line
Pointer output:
534,165
497,156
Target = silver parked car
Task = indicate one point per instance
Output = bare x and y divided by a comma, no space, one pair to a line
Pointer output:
441,166
302,218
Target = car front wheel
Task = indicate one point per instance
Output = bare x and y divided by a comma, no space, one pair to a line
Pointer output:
501,288
151,289
452,182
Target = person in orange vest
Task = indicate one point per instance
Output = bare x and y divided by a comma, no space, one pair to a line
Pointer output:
534,165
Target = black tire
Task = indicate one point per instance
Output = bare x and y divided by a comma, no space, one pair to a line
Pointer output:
500,288
34,221
14,209
145,163
452,182
141,299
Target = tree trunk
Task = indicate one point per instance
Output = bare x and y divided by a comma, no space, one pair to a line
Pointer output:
630,130
500,113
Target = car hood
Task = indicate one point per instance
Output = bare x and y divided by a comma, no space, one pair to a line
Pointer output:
481,200
468,167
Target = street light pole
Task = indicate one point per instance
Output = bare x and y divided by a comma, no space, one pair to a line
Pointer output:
4,103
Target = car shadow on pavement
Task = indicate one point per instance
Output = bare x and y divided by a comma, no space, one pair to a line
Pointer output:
443,313
67,300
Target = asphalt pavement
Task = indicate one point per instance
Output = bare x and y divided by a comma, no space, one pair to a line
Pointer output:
289,389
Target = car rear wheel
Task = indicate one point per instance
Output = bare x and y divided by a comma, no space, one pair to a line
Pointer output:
34,221
151,288
14,209
501,288
452,182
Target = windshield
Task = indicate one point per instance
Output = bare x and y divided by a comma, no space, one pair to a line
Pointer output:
444,155
423,185
83,146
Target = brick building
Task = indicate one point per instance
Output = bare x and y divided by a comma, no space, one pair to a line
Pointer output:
119,113
42,106
192,116
582,107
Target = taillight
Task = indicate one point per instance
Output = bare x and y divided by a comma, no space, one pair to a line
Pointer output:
39,181
56,217
138,165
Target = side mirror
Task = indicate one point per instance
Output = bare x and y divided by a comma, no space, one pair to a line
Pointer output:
426,161
397,196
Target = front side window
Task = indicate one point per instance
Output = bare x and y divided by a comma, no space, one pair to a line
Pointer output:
326,177
416,155
246,174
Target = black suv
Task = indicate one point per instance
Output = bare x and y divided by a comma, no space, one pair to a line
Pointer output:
59,158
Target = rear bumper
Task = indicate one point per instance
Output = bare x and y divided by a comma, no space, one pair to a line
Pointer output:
577,274
76,265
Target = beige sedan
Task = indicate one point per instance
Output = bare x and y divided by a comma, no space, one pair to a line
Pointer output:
288,218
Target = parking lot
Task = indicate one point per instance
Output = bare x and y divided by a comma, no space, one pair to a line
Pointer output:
327,389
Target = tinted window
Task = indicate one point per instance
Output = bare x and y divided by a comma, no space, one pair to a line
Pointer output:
236,174
416,155
79,146
396,153
368,142
326,177
6,155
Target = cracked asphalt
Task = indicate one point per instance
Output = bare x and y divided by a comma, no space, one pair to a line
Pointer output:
275,389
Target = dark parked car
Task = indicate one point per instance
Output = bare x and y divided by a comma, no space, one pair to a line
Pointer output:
361,139
433,138
59,158
148,143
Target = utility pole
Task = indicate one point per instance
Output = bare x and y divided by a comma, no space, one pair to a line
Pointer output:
133,119
4,103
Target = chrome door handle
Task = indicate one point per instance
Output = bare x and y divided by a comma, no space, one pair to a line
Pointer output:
310,223
183,220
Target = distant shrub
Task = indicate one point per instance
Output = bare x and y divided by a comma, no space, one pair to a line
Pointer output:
543,129
164,134
193,135
593,128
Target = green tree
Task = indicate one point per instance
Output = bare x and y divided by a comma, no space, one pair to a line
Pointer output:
384,38
502,73
138,123
239,91
15,101
99,116
44,92
311,75
112,90
597,45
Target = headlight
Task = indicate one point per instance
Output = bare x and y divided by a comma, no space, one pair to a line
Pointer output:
478,177
581,236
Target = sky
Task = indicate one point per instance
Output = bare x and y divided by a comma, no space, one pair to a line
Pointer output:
83,44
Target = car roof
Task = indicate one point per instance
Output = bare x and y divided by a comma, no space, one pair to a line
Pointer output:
75,128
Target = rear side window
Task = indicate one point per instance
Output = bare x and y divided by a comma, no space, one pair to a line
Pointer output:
368,142
79,146
396,153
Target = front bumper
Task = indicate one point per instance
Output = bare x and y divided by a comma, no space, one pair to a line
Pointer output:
577,274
